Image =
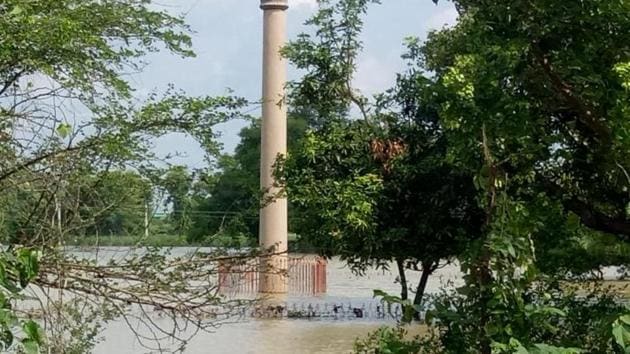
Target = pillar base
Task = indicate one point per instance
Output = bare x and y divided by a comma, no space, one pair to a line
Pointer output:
273,275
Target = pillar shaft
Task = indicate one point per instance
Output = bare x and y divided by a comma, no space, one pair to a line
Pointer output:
273,215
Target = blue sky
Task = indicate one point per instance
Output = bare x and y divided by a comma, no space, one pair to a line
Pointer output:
227,40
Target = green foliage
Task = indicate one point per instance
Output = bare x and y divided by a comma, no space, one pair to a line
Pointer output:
397,339
177,182
78,43
124,197
76,146
377,189
229,240
522,308
334,184
527,96
621,332
531,104
107,38
155,239
329,59
18,267
550,97
516,347
227,202
576,319
388,340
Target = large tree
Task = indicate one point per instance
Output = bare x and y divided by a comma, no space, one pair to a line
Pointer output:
228,200
67,117
553,99
533,98
371,181
535,101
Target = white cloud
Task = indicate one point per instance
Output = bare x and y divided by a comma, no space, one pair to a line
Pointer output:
446,17
373,75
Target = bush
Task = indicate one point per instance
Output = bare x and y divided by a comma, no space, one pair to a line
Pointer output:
394,340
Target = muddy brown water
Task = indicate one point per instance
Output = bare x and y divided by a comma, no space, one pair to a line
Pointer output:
283,336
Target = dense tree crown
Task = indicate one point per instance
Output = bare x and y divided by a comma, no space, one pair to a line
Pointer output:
76,158
510,128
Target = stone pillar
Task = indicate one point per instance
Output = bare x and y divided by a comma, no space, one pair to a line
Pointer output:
273,215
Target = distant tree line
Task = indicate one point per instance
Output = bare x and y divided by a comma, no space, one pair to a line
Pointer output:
212,205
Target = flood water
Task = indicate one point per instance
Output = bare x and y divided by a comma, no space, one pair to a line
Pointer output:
287,336
284,336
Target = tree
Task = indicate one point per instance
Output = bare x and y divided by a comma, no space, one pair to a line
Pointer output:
124,198
379,189
534,102
540,114
371,209
177,182
555,101
531,100
229,200
68,118
19,268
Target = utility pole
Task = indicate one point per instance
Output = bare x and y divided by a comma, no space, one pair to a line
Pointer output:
146,219
273,214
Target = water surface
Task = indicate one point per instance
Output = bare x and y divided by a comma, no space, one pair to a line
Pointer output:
287,336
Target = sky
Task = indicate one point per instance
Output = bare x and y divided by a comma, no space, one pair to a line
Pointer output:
227,40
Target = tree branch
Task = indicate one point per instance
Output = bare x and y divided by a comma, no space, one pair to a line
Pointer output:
596,220
11,81
586,113
39,158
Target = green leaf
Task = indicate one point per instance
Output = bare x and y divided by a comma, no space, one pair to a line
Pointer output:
511,250
6,338
63,130
549,349
618,335
32,331
17,10
30,346
381,293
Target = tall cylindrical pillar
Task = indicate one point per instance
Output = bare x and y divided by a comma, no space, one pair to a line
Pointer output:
273,214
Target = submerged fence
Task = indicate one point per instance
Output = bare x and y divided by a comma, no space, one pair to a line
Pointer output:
306,275
327,311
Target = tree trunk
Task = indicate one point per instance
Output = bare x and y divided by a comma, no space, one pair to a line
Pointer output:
427,269
403,279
